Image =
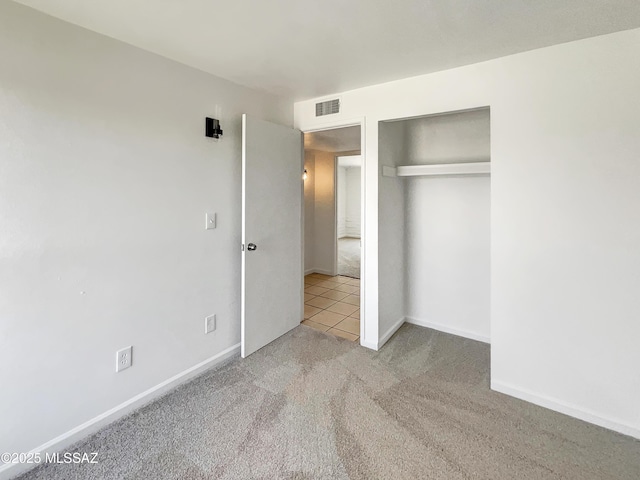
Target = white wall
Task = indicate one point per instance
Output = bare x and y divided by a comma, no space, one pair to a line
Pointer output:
353,193
309,210
455,138
564,227
342,199
448,254
324,225
391,231
106,178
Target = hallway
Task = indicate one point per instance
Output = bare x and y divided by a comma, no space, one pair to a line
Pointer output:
349,257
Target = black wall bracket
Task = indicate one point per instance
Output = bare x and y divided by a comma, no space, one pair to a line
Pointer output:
212,128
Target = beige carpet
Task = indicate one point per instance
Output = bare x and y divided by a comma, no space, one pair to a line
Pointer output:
313,406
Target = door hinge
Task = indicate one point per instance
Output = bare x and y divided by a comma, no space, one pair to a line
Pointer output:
243,247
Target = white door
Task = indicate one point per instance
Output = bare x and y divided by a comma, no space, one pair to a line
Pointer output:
272,190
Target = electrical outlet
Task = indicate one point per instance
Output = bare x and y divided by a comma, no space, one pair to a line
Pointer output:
123,359
210,323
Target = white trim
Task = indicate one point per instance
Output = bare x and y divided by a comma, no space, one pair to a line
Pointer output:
446,329
478,168
243,207
364,319
309,272
302,225
331,124
389,333
9,470
371,345
336,236
565,408
320,271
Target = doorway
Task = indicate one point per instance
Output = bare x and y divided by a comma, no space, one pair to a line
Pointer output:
332,231
348,201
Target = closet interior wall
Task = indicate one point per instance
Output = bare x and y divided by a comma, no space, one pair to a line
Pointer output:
392,258
434,231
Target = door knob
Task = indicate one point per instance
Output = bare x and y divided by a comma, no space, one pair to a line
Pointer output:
251,247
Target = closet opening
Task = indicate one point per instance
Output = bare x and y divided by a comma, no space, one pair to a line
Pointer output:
332,231
434,223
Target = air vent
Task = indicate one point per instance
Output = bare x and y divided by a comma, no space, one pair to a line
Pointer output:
328,108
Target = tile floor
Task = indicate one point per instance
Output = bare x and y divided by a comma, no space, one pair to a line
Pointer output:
332,305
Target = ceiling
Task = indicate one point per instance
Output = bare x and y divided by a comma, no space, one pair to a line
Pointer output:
345,139
306,48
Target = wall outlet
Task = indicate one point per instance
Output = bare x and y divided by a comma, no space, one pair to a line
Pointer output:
210,219
210,323
123,359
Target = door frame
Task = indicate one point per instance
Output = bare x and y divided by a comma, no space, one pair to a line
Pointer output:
353,122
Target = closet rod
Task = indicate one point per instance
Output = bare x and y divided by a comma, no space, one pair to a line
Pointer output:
478,168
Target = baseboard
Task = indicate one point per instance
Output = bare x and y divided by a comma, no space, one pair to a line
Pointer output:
321,271
446,329
311,270
389,333
90,427
370,345
565,408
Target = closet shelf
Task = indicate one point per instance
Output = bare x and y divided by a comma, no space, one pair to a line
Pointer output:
477,168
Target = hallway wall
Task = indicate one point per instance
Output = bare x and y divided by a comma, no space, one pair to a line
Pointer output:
341,178
323,239
309,210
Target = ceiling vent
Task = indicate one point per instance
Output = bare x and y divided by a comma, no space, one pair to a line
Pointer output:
328,108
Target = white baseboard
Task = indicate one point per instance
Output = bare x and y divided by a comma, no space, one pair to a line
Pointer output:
446,329
567,409
307,272
90,427
389,333
370,345
321,271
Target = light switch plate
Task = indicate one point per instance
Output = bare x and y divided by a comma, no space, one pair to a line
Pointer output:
211,221
210,323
